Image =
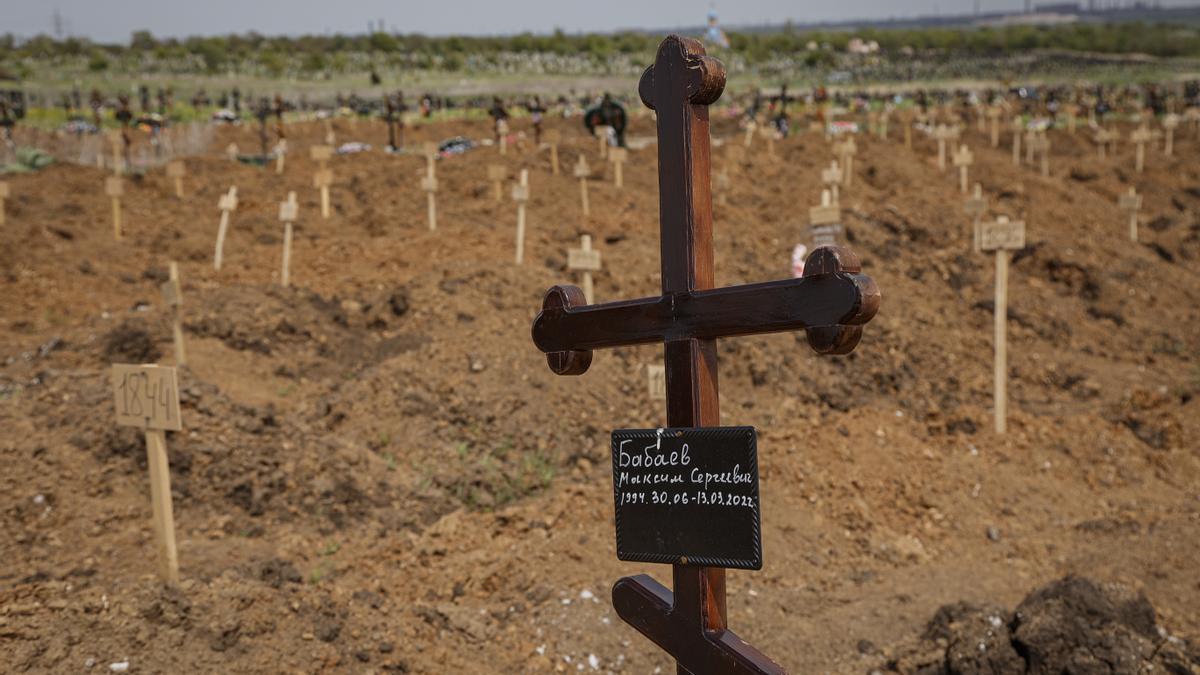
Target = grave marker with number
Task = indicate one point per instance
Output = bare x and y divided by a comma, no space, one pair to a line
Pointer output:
831,302
147,397
1001,236
497,173
287,213
825,222
321,154
585,260
831,178
227,204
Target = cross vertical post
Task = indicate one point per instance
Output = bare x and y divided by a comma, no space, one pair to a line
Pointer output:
226,204
830,302
520,194
287,213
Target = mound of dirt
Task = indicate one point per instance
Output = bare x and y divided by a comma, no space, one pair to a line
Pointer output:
1073,625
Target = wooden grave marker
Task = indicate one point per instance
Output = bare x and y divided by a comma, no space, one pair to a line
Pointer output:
552,138
1041,147
963,159
429,183
502,136
147,397
585,260
602,133
848,150
1103,138
520,195
831,302
497,173
942,134
280,153
1193,115
1031,136
975,206
1001,236
321,154
656,382
322,179
1072,111
751,127
114,187
831,178
288,211
227,204
1129,204
175,171
582,172
1017,126
618,156
1170,124
994,113
172,294
231,152
825,222
4,194
1140,137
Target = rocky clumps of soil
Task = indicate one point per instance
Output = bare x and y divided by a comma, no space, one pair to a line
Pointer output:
1073,625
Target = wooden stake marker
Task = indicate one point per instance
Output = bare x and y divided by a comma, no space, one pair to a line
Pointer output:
287,213
602,136
617,156
553,138
585,260
321,154
114,187
231,152
1041,146
1129,204
831,303
227,204
1141,137
963,159
175,171
322,179
172,295
1001,236
831,178
520,195
1017,127
4,194
497,173
942,134
656,382
975,207
994,113
147,397
280,154
582,172
430,183
848,150
1170,124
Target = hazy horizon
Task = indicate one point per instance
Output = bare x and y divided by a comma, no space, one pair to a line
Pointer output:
115,22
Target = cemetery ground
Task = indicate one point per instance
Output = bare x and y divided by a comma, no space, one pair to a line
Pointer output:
378,472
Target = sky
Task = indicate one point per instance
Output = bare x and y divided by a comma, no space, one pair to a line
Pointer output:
114,20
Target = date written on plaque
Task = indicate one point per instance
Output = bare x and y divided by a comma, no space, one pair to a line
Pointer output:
687,496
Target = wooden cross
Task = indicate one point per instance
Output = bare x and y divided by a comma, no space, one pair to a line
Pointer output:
602,133
280,154
175,171
585,260
1041,146
1170,123
831,178
1129,204
520,195
173,297
831,302
617,156
553,138
322,179
114,187
1017,127
231,152
825,221
848,150
117,139
975,206
497,173
1001,236
226,204
502,136
1141,137
429,183
1102,140
287,213
4,194
963,159
994,113
147,397
1030,141
942,134
582,172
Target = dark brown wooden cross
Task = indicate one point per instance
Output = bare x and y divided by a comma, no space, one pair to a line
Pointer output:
830,303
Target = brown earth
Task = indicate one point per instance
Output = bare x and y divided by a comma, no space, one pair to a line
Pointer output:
378,472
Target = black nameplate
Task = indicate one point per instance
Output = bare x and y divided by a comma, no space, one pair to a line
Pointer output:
687,496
